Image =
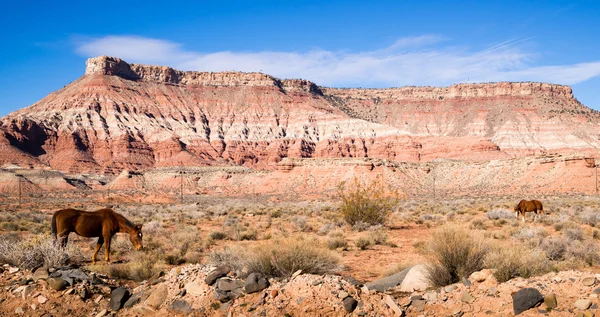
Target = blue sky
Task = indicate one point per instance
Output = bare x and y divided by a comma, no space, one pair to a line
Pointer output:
333,43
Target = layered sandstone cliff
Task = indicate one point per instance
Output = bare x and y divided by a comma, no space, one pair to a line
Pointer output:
127,116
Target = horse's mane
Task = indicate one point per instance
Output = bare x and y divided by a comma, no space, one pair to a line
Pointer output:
125,220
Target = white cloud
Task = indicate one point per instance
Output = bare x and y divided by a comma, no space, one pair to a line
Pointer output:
421,60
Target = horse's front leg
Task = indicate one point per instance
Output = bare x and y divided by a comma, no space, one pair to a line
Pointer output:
98,246
107,239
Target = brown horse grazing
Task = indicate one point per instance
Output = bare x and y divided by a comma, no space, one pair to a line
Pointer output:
524,206
103,223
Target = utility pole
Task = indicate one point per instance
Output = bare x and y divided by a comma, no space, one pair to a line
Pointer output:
20,190
181,182
433,174
596,168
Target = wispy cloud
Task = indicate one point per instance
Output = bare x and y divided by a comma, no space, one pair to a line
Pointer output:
422,60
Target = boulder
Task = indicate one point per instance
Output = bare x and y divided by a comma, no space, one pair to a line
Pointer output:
57,283
227,289
349,304
388,282
526,299
133,300
416,279
217,273
40,274
157,297
118,297
583,304
255,282
196,288
181,306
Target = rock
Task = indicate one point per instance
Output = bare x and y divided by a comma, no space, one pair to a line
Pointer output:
98,299
430,297
418,304
19,311
227,289
467,298
84,294
352,280
195,288
181,307
228,284
589,281
274,293
13,270
255,283
391,303
465,281
597,291
40,274
416,279
118,297
586,313
349,304
343,294
316,282
550,301
157,297
388,282
133,300
480,276
296,274
450,288
102,313
42,299
57,283
525,299
583,304
154,278
217,273
144,310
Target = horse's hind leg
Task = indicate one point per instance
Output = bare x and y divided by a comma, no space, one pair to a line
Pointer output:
98,246
107,248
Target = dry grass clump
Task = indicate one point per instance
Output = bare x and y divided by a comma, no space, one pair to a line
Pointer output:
337,242
363,243
40,251
279,258
455,254
140,267
516,259
370,204
379,236
496,214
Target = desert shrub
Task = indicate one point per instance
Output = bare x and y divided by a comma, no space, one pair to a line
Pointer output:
301,223
585,252
370,203
574,234
500,214
141,267
218,235
40,251
478,224
596,234
249,235
455,254
513,260
529,233
555,248
336,242
565,225
379,237
363,243
279,258
590,218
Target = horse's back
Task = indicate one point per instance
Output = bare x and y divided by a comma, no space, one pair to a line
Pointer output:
538,205
85,223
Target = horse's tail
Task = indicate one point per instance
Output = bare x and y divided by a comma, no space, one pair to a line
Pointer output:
53,224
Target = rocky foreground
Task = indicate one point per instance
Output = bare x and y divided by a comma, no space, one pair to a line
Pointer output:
199,290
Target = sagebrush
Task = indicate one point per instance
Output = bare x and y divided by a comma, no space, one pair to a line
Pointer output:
366,203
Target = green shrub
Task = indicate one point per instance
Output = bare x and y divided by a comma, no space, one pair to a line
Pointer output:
370,204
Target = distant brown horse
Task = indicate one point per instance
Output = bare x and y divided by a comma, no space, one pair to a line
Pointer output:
524,206
103,223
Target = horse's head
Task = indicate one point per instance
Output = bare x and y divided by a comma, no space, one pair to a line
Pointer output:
136,238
